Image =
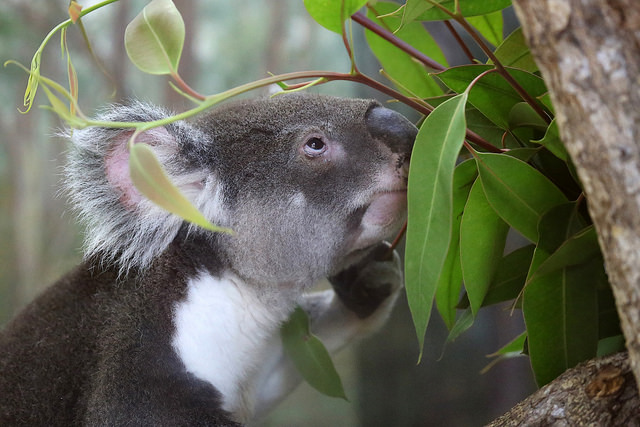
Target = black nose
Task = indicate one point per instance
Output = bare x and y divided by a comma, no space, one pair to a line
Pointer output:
392,128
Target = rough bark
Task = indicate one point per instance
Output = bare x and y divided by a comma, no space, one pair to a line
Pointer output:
589,54
601,392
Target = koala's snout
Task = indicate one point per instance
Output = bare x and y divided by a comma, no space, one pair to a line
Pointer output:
393,129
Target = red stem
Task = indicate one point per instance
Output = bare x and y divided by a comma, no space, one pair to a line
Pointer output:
367,23
461,42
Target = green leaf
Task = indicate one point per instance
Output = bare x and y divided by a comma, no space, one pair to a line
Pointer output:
412,9
430,192
482,238
525,153
576,250
611,345
310,356
467,7
553,143
331,13
154,39
464,322
152,181
450,280
401,67
510,276
608,320
556,226
518,192
523,115
515,348
546,100
480,124
489,25
492,95
561,307
514,52
561,315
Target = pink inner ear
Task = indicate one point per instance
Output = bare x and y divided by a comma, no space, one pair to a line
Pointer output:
117,171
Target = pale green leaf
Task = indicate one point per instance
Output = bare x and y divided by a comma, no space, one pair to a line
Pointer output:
155,38
515,348
153,182
430,205
310,356
489,25
467,7
332,13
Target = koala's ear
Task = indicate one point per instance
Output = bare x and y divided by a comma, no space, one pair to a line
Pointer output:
123,226
116,162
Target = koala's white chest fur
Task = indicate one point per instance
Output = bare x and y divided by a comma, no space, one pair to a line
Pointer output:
221,329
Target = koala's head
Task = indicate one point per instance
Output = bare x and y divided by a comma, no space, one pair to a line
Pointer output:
308,183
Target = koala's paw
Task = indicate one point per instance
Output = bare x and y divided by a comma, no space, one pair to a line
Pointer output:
364,286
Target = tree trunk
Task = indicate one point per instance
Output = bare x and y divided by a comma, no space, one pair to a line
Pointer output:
589,54
601,392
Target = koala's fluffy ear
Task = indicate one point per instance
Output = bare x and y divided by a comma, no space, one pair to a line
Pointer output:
122,225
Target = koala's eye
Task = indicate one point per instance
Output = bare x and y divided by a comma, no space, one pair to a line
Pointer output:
314,146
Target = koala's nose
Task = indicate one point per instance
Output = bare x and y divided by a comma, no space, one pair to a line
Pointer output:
392,128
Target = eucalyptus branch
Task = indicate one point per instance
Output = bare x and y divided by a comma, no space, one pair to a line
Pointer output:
32,84
457,16
367,23
503,72
186,88
459,40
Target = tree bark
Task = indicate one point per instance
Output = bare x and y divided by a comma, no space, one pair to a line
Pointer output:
600,392
589,54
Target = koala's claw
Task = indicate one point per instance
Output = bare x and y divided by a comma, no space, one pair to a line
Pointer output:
364,286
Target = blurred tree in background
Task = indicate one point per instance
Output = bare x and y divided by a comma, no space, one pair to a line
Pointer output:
228,44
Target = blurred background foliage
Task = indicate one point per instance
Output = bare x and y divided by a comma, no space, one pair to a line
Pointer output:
227,44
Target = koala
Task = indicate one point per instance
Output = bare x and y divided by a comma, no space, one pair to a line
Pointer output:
167,324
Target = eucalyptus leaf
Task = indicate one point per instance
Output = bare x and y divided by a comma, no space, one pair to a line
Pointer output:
523,115
518,192
577,249
510,276
430,204
552,142
467,7
149,177
400,66
514,348
155,38
561,315
310,356
332,13
492,95
450,280
482,238
489,25
514,52
464,322
561,307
